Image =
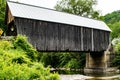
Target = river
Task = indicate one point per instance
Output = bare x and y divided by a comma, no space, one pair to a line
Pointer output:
77,75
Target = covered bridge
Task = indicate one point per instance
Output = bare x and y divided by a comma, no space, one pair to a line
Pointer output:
50,30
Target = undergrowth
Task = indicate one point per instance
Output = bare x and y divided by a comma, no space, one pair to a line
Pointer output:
18,61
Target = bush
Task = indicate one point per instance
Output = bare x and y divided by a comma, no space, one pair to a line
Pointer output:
73,63
116,60
72,60
64,59
5,45
50,59
23,72
16,64
21,43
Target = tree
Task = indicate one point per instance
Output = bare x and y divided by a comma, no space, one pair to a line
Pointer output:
115,27
113,21
112,17
116,60
78,7
73,60
2,14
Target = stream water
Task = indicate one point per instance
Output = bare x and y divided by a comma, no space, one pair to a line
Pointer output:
80,75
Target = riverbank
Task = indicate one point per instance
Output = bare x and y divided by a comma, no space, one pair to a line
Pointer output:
78,74
82,77
108,70
75,77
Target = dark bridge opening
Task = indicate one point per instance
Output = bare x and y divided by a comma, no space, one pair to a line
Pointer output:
11,29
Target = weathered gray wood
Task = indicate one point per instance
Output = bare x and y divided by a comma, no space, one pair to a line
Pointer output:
49,36
81,38
92,40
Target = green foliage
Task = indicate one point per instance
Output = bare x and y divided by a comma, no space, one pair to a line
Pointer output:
22,43
5,45
16,65
113,17
116,61
63,59
78,7
21,59
115,30
73,63
50,59
72,60
2,14
113,21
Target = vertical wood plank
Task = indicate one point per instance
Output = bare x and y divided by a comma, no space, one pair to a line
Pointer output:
49,36
82,38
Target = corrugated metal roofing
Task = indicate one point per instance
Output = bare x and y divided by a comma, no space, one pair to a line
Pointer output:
39,13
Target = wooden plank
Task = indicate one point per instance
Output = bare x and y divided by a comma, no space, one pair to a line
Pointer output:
48,36
76,38
87,37
81,38
92,40
10,17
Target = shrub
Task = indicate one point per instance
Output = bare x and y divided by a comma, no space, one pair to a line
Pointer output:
15,64
50,59
21,43
64,59
73,63
5,45
72,60
24,72
116,61
20,60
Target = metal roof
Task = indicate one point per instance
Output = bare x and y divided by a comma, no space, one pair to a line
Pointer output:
39,13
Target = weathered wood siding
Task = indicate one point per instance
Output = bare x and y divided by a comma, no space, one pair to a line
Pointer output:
9,17
49,36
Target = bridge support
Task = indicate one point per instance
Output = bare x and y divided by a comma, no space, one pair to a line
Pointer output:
96,62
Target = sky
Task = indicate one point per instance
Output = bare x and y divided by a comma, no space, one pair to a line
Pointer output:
104,6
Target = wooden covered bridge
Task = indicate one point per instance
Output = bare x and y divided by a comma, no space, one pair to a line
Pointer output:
50,30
